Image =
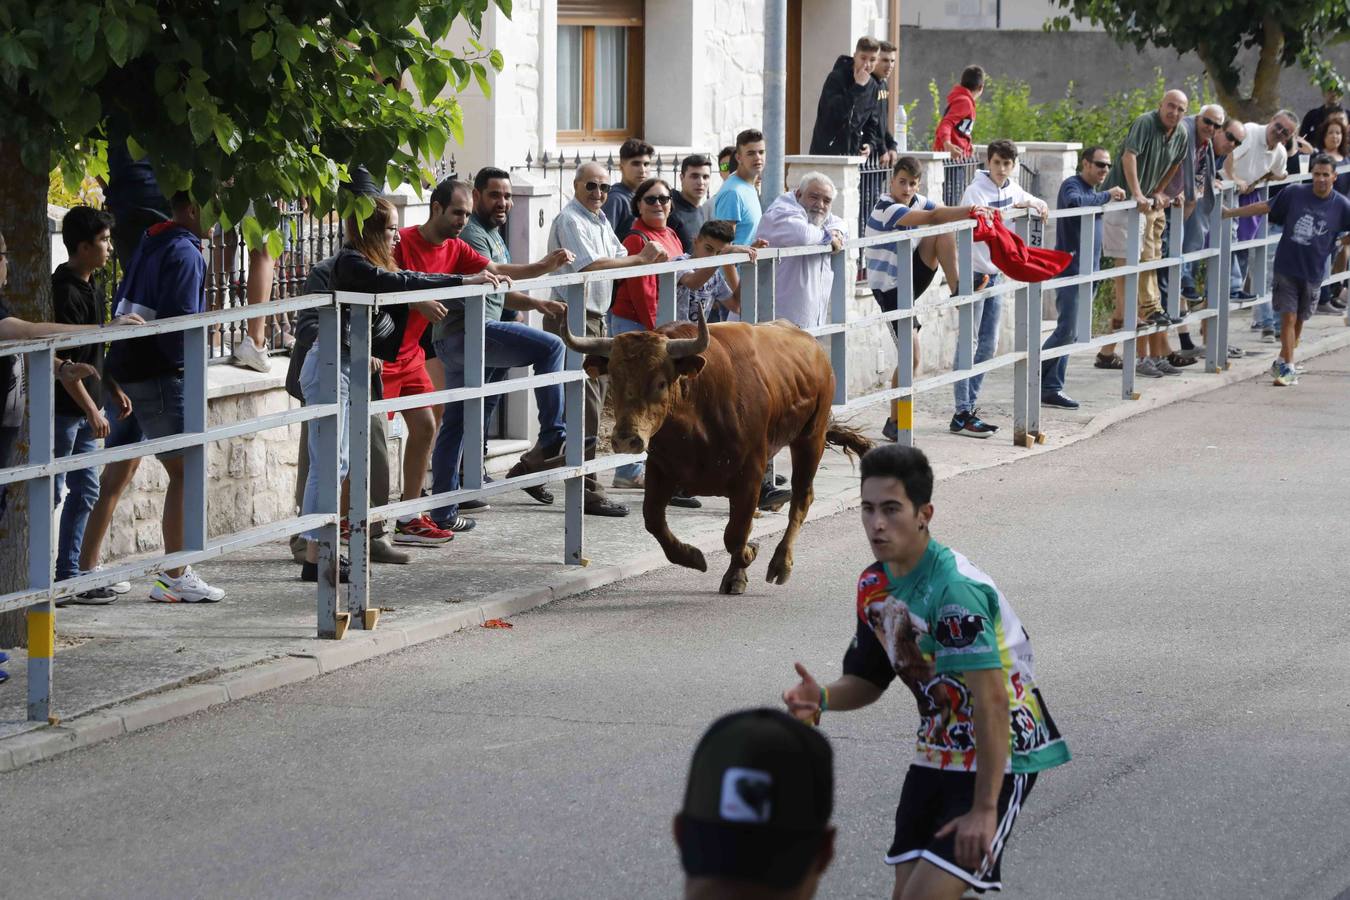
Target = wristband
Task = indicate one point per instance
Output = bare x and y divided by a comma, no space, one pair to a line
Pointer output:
61,368
824,698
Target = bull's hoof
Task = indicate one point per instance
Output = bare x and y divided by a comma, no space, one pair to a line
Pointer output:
780,567
734,582
687,556
751,551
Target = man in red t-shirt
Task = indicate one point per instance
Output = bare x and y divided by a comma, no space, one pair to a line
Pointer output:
433,246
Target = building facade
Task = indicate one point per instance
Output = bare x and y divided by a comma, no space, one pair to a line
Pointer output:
584,75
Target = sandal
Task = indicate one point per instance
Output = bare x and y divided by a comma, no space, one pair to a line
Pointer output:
1107,362
1236,353
1181,361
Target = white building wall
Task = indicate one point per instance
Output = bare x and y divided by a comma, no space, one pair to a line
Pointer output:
1013,15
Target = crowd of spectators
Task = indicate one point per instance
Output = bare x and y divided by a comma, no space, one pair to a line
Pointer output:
628,217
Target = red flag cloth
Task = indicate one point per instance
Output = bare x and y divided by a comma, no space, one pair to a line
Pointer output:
1013,257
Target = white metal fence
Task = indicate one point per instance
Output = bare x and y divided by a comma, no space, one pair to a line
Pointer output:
757,305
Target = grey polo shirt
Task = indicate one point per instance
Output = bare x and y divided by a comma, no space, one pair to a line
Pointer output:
589,236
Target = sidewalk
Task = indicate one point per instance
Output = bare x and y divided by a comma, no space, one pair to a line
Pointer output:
136,663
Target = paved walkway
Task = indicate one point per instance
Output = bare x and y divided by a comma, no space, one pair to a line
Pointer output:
512,561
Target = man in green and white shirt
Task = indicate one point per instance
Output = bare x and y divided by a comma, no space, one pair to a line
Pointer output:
928,616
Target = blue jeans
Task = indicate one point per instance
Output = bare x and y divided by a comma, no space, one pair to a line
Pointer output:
505,345
1065,333
619,325
309,386
987,314
156,412
1195,237
74,435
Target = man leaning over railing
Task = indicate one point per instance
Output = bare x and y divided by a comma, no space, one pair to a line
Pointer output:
801,218
1078,190
582,229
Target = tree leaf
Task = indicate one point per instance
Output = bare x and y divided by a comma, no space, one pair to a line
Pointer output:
227,134
480,75
497,60
251,16
115,33
262,44
201,123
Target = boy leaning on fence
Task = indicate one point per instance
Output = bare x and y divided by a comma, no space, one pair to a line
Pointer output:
996,188
1313,216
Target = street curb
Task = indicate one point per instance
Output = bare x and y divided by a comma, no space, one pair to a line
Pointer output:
101,725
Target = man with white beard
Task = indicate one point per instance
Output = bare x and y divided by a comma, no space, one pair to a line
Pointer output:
803,218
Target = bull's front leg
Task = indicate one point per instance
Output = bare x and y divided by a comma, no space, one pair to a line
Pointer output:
736,538
655,499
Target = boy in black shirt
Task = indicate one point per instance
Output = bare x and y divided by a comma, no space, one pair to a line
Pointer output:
80,419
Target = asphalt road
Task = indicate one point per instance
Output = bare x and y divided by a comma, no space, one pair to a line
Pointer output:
1183,577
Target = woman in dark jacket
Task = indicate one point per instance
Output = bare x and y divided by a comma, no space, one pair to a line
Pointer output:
366,265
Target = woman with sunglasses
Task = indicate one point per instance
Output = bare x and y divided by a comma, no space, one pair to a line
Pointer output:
634,306
1333,138
364,264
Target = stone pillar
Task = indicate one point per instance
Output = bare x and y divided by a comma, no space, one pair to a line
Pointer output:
527,240
1053,162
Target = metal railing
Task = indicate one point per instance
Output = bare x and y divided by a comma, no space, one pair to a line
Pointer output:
758,304
40,470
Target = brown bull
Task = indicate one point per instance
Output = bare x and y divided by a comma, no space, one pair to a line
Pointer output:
711,406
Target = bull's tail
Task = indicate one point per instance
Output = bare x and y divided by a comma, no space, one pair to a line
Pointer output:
853,442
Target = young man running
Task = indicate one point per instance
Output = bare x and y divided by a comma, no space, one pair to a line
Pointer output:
927,615
1312,217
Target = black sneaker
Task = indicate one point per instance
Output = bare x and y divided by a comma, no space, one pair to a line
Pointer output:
475,505
1158,318
971,425
603,506
310,571
685,502
1241,296
890,432
1190,293
772,501
100,596
779,480
1059,399
541,494
458,523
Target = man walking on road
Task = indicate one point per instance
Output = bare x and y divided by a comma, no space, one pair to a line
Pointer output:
1312,217
926,615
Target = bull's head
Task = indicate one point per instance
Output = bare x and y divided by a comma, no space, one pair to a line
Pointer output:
644,370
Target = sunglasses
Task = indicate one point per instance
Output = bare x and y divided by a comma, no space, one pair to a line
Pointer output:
1281,130
656,199
593,186
1232,137
1099,164
1210,122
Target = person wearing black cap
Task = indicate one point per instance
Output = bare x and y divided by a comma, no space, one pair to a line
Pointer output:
926,615
755,824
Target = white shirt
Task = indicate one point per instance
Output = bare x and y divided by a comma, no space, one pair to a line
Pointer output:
1252,159
802,283
589,236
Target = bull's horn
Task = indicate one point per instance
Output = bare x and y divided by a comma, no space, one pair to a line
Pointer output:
682,347
587,346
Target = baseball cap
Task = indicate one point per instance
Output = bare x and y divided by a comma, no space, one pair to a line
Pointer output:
758,799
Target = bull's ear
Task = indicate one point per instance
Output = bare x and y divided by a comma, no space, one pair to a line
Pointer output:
596,366
690,365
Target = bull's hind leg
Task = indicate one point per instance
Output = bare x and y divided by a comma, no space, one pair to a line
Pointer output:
806,453
657,496
736,537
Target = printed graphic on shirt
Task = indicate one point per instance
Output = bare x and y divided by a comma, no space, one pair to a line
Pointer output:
929,628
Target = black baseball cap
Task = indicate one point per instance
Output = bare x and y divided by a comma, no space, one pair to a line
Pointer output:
758,800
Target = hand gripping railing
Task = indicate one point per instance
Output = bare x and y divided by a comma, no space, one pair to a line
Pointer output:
42,467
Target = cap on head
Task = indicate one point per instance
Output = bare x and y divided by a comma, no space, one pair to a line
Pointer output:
758,800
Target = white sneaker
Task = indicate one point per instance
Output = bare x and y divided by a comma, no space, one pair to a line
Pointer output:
186,588
251,356
117,587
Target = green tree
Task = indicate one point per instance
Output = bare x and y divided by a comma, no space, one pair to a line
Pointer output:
1288,33
233,100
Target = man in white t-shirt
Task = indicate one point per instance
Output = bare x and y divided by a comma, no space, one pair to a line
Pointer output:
1260,158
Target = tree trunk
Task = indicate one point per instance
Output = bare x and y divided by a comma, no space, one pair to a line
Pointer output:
1264,100
28,294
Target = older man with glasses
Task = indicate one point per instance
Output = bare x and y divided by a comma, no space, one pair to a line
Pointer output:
1261,157
582,228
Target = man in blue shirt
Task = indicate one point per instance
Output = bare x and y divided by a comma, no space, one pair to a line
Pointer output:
1081,189
1312,218
738,200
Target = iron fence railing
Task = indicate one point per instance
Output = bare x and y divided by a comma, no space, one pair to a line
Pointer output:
758,304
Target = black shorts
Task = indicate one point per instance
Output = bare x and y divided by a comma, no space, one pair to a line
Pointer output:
930,799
